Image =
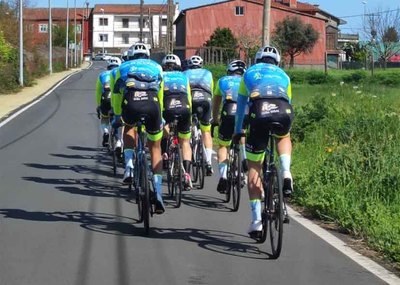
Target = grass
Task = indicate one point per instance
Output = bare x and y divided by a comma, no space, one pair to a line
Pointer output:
345,159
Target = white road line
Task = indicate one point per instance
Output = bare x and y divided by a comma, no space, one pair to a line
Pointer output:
340,245
14,115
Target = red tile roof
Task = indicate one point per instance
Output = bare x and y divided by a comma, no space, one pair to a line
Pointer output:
129,9
37,14
301,7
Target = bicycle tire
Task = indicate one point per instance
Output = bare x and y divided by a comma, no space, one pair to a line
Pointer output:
275,220
230,176
144,183
112,149
169,169
177,180
195,167
138,191
236,181
201,163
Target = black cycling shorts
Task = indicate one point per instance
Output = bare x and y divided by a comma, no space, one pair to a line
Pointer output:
201,106
262,113
227,124
178,105
105,104
140,103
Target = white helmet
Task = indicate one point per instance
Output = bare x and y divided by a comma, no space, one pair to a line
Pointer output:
171,58
268,51
195,61
138,50
113,62
236,65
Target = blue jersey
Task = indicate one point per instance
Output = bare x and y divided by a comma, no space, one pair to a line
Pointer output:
175,82
148,68
105,77
228,87
200,78
266,81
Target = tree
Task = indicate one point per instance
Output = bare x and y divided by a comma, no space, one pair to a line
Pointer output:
59,35
248,41
354,52
382,30
223,38
293,37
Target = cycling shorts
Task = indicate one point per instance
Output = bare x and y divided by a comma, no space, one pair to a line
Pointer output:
178,105
105,104
227,124
262,113
201,106
141,103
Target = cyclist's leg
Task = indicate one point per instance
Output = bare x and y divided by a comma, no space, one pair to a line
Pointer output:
129,145
225,132
184,134
205,126
155,133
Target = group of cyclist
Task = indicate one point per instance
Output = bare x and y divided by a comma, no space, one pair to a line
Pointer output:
141,88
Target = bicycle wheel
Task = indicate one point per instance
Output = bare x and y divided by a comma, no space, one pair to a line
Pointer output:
201,164
195,166
236,181
275,220
169,169
177,182
230,176
113,154
145,194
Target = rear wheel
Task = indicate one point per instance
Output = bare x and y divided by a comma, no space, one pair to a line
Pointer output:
195,166
201,164
144,183
276,213
177,177
236,181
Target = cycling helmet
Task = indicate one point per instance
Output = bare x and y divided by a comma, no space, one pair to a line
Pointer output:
113,62
268,52
195,61
138,50
236,66
171,62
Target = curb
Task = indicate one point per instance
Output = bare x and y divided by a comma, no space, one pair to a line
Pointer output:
15,112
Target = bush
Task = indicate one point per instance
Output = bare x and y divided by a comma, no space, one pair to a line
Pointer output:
355,77
317,77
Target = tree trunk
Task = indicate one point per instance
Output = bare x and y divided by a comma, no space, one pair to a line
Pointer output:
291,64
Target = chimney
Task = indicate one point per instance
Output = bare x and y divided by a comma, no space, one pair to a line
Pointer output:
293,3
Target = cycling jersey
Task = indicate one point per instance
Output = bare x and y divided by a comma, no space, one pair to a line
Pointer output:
104,78
178,101
261,80
200,78
228,87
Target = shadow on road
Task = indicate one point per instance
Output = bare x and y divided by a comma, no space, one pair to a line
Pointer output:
204,202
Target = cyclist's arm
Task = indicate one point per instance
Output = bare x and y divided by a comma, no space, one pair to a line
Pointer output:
289,92
241,107
217,99
117,96
99,91
112,83
160,96
189,91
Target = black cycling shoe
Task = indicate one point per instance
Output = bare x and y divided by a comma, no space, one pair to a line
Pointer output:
106,137
209,170
287,187
222,185
159,209
245,168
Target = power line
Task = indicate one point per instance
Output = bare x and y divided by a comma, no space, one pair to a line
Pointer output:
369,14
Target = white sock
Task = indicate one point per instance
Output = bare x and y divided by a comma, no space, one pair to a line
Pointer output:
243,149
208,155
285,162
223,168
104,128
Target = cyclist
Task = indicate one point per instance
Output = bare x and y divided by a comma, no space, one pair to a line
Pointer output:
103,100
138,91
226,92
202,85
178,101
266,89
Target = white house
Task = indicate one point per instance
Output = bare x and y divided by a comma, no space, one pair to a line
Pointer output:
116,27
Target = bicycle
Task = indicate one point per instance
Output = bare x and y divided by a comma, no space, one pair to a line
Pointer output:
175,168
116,156
198,156
141,181
234,173
273,204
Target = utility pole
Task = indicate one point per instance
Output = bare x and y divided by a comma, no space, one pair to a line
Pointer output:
151,28
21,44
75,54
141,21
67,39
266,20
170,25
50,41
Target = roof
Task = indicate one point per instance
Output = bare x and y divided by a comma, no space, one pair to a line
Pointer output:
129,9
37,14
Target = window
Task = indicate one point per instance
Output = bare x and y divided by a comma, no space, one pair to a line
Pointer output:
43,28
239,10
103,38
78,29
103,21
164,22
125,38
125,23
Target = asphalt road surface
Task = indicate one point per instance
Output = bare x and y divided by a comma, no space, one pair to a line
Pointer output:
64,219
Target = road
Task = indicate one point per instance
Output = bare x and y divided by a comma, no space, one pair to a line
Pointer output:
64,219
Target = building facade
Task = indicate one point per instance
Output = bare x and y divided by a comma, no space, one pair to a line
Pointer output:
116,27
194,26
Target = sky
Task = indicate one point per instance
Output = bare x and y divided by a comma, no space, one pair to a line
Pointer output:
349,10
